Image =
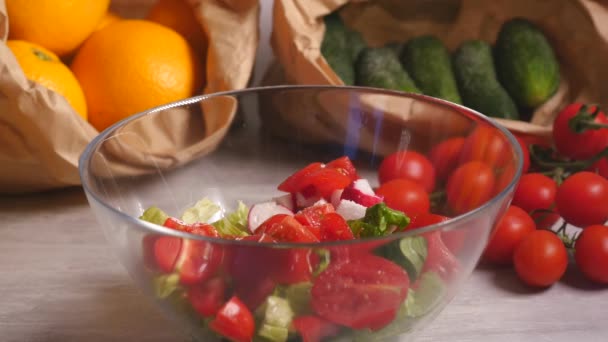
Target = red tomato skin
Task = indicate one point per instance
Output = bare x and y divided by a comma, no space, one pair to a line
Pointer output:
198,261
600,167
327,180
295,266
206,299
408,165
362,292
445,156
312,216
512,228
290,230
525,155
314,329
486,144
535,191
591,253
425,219
471,185
197,228
234,321
166,252
345,166
545,219
293,183
582,199
579,146
540,259
335,228
439,258
406,196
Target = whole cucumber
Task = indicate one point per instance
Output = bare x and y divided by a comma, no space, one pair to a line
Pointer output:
477,82
427,60
526,63
380,68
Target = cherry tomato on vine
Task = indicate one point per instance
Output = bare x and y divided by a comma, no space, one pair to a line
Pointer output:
525,155
405,195
574,134
540,259
445,155
591,253
600,167
535,191
512,228
582,199
470,186
409,165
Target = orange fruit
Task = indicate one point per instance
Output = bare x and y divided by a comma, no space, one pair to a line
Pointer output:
58,25
44,67
133,65
107,19
179,16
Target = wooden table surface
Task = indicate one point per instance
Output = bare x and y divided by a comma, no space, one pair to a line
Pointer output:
60,281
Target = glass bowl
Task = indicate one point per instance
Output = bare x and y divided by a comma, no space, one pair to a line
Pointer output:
214,157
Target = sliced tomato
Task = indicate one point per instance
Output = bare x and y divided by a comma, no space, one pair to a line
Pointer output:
295,266
294,182
439,258
266,225
198,261
334,228
327,180
345,166
314,329
364,292
197,228
166,251
234,321
289,230
147,245
312,216
208,298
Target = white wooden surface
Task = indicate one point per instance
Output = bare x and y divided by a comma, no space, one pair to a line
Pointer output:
59,281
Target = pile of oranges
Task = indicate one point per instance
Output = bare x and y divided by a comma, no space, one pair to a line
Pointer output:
105,66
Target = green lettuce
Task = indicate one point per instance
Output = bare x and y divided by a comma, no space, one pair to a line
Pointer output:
154,215
379,220
235,223
202,211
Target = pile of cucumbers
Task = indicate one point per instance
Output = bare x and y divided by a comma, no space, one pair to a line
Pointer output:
518,74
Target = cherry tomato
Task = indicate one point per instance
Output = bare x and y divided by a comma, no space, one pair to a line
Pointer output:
294,266
206,299
600,167
582,199
486,144
425,219
591,253
345,166
445,156
525,154
294,182
364,292
545,219
314,329
439,258
409,165
405,195
334,228
512,228
585,143
535,191
288,229
470,186
234,321
504,177
312,216
540,259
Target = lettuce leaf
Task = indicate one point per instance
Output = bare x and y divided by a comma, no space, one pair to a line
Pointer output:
235,223
379,220
203,211
154,215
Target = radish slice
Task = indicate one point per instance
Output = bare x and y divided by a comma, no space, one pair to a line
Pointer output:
335,197
304,202
320,202
361,192
263,211
350,210
288,201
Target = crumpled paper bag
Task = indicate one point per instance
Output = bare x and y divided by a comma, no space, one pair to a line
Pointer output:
577,30
41,136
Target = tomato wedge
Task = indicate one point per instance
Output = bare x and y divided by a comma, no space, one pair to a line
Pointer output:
197,228
364,292
314,329
334,228
206,299
234,321
439,257
294,182
198,261
345,166
312,216
288,229
294,266
166,251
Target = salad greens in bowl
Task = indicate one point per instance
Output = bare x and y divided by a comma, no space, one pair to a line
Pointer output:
245,219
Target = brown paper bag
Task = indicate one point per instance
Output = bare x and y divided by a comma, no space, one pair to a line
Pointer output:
577,30
41,136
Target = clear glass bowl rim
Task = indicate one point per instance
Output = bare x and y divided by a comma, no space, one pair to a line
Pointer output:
87,154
